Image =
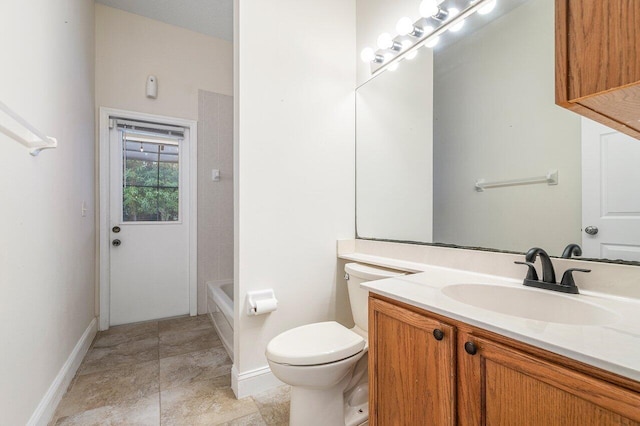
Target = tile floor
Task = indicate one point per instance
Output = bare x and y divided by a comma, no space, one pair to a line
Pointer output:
170,372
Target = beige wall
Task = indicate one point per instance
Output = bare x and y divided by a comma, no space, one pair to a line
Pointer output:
294,148
215,199
47,253
129,47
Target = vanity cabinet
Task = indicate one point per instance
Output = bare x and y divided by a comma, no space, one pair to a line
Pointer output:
501,385
411,368
497,380
597,61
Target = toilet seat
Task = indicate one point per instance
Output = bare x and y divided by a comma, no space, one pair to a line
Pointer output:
314,344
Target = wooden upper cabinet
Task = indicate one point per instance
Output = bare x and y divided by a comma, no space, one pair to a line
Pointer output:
598,62
499,385
411,372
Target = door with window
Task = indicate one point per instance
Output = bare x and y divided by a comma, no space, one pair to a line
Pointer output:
149,221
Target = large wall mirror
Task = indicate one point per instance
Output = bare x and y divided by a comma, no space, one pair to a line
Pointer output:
477,108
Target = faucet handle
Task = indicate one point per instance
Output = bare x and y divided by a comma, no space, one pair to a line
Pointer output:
567,277
531,273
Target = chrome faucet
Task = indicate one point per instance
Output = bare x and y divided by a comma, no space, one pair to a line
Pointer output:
567,285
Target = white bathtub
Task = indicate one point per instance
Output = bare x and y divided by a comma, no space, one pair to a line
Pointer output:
220,308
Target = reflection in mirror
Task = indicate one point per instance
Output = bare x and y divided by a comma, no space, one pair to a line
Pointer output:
494,118
394,153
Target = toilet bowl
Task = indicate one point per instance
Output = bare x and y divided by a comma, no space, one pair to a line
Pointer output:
325,363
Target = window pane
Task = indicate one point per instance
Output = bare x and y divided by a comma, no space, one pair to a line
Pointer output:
139,204
140,173
168,204
169,175
151,180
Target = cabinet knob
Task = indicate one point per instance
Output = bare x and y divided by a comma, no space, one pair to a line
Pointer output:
470,348
438,334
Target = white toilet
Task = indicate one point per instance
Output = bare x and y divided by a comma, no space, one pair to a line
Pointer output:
326,364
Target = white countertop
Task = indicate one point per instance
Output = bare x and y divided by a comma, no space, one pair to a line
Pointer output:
613,347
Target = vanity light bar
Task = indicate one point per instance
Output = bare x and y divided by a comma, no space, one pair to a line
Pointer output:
380,62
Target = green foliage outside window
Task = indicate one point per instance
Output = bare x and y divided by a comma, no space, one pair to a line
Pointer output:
150,191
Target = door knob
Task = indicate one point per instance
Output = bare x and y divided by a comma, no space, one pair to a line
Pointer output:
591,230
116,242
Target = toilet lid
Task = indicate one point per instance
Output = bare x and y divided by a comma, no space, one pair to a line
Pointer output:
314,344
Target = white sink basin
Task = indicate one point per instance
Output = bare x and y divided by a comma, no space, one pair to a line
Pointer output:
542,305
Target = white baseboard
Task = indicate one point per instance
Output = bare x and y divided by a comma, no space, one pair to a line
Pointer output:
47,407
253,382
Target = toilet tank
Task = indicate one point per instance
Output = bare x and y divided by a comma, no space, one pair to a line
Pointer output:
358,273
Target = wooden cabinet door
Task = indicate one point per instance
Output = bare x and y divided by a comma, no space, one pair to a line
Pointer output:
600,39
597,61
411,372
503,386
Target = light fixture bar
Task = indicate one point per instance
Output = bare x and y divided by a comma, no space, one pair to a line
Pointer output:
377,67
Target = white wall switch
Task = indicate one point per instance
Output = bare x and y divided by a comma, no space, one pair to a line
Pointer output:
215,175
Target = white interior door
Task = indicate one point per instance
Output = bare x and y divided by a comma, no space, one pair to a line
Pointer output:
610,193
149,222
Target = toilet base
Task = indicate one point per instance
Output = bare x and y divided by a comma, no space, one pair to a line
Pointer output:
356,405
318,407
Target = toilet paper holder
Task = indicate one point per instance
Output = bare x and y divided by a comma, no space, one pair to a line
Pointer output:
261,302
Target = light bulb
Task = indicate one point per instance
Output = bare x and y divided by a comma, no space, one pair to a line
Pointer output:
367,54
404,26
428,8
385,41
412,55
393,66
432,43
406,44
488,7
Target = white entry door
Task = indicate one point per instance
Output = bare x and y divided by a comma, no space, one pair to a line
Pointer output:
149,221
610,193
